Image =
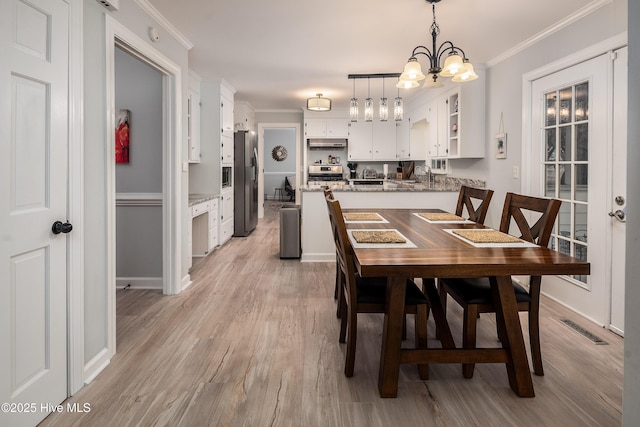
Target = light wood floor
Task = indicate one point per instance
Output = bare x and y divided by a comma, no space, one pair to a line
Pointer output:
254,342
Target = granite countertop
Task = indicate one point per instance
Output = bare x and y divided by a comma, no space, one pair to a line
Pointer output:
194,199
439,184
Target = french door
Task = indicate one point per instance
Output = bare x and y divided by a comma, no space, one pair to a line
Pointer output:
578,157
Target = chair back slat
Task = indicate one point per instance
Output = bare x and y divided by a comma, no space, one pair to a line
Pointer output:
515,206
343,247
466,198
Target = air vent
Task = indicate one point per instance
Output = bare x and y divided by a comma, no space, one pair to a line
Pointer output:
111,5
594,338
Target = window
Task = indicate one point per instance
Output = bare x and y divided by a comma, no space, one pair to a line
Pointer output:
566,166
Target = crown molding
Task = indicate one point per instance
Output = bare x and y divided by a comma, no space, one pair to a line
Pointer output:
164,23
563,23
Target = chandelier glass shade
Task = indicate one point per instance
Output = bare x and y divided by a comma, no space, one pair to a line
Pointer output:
383,102
456,64
353,105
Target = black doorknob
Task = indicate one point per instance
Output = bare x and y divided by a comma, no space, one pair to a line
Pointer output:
61,227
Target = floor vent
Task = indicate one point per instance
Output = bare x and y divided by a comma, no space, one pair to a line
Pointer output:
595,339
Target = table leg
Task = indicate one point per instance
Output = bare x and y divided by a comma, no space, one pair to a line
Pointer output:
439,317
392,337
510,332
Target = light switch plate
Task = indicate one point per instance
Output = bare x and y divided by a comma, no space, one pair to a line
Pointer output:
516,172
185,166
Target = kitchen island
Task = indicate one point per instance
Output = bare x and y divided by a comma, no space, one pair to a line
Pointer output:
317,241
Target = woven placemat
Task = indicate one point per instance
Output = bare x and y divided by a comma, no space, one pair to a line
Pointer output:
377,237
486,236
362,217
444,216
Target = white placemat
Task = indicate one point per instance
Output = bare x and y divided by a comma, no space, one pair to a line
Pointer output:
380,220
520,244
356,245
449,221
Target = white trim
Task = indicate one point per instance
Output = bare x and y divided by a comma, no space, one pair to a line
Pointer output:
598,49
279,110
563,23
75,259
164,23
96,365
138,199
139,283
186,281
331,257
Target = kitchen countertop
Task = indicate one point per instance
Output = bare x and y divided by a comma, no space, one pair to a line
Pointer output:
439,184
194,199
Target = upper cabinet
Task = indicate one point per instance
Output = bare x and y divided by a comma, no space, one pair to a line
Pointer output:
373,140
411,139
226,121
244,116
326,128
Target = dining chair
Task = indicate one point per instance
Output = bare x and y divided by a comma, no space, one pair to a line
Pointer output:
368,295
475,295
466,199
336,291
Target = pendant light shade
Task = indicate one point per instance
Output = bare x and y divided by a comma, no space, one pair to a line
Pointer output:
368,105
383,109
353,105
453,65
465,76
318,103
398,109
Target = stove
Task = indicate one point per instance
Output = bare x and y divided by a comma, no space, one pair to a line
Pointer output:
326,173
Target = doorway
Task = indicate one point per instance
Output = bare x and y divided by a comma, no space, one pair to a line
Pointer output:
275,168
577,155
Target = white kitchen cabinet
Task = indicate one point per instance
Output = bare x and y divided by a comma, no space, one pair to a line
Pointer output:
226,215
226,110
244,116
411,139
465,120
204,224
326,128
226,149
374,140
193,126
213,224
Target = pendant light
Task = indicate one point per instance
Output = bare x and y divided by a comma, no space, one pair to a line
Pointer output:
384,106
353,106
368,104
398,108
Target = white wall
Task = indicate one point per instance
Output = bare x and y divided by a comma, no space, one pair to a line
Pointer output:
96,288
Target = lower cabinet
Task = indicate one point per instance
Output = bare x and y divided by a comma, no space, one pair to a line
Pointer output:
226,215
203,234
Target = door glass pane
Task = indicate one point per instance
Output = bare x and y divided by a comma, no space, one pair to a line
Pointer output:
550,181
565,143
566,105
564,246
564,220
582,142
551,107
565,181
582,101
580,222
550,135
580,252
581,188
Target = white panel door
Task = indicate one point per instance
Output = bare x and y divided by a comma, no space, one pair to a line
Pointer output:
33,192
572,159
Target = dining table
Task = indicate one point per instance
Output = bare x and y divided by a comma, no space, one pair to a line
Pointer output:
431,249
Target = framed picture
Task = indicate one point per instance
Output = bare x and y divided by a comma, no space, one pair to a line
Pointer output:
122,136
501,146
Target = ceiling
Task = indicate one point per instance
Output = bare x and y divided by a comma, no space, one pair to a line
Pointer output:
277,53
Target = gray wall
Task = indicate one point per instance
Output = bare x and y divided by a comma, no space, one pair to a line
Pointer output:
274,171
96,288
138,88
631,406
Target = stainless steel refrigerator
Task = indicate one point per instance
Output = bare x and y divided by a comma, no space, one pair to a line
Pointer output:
245,184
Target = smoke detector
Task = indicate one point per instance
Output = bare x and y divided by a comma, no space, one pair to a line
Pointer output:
111,5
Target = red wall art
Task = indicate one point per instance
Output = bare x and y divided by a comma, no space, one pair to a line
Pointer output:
122,137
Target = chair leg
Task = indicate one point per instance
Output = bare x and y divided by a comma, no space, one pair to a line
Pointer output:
351,342
534,339
344,312
421,336
404,328
443,302
469,337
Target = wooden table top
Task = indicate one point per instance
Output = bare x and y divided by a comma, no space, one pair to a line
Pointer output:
439,254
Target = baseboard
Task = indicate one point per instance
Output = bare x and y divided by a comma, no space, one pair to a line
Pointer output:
139,283
318,257
186,282
96,365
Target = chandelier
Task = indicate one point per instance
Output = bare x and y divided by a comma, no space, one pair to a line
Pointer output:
456,64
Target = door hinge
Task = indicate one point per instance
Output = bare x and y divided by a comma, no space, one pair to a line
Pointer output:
613,55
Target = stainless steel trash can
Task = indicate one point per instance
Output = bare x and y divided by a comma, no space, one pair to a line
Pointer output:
290,232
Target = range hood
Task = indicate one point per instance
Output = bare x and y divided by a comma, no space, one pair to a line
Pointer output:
327,144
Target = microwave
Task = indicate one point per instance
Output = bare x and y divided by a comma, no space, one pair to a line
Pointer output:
227,177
